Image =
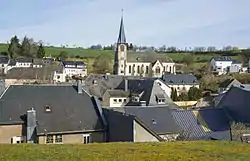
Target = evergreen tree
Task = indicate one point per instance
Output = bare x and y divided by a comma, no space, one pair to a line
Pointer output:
40,51
14,47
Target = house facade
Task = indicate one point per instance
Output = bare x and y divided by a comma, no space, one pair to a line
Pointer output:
180,82
130,63
50,114
69,69
224,65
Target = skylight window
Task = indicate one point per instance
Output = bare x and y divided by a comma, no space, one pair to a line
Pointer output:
47,108
154,121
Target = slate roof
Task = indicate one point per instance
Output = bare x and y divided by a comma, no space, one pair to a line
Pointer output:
228,82
179,79
236,103
149,57
158,119
70,111
122,36
223,58
118,93
44,73
4,60
73,63
24,60
208,123
138,86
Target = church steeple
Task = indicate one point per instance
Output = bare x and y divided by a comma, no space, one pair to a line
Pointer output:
121,37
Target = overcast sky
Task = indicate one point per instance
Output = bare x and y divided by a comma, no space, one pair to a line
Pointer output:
180,23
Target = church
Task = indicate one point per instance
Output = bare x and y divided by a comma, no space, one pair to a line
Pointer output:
145,64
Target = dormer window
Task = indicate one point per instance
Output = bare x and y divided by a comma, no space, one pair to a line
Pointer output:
47,108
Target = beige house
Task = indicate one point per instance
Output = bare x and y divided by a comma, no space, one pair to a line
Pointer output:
139,63
48,114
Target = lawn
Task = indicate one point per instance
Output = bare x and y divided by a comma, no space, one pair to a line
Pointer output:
197,150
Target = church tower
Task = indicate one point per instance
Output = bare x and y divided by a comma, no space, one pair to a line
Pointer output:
121,52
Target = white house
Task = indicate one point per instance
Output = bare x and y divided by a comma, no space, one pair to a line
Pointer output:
130,63
180,82
4,61
69,69
223,65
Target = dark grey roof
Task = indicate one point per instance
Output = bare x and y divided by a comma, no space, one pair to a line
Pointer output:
236,103
223,58
150,57
44,73
237,62
122,36
180,79
139,86
207,123
158,119
228,83
4,60
118,93
73,63
70,111
24,60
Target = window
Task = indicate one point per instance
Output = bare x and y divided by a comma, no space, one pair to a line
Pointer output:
49,139
47,108
2,65
129,69
122,48
58,77
178,88
164,69
170,69
58,139
120,100
86,139
125,100
138,69
157,70
146,69
115,100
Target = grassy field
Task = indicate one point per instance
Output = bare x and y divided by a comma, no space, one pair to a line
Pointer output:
198,150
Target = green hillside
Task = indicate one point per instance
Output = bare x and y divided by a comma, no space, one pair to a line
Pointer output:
197,150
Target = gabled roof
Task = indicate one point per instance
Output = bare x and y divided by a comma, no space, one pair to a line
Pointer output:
180,79
207,123
139,86
73,63
24,60
149,57
236,103
223,58
158,119
122,36
4,60
70,111
228,83
44,73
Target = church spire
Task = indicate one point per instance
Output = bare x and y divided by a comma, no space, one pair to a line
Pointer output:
122,37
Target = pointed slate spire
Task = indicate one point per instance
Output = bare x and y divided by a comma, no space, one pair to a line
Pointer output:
122,37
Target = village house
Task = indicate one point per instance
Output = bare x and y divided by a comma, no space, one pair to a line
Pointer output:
69,69
4,61
130,63
50,114
224,65
141,124
180,82
120,91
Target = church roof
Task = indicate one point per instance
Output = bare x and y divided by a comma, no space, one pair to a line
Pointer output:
121,37
147,57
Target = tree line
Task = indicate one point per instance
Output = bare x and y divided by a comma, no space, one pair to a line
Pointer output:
27,47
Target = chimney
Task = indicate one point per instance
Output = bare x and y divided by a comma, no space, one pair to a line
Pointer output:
126,84
79,87
31,126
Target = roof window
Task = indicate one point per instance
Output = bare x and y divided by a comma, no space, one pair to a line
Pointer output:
47,108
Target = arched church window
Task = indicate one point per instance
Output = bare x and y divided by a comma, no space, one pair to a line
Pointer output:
146,69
